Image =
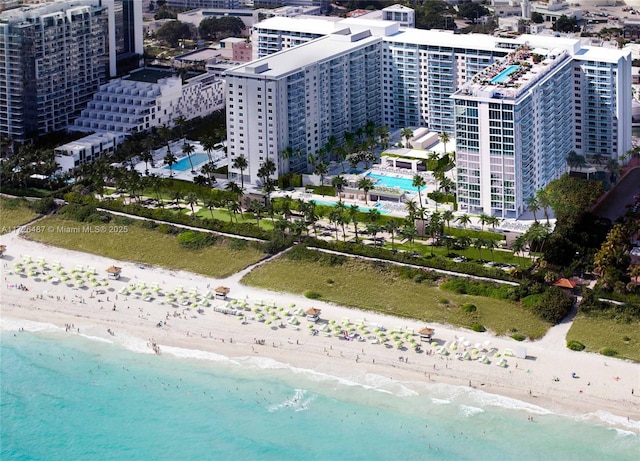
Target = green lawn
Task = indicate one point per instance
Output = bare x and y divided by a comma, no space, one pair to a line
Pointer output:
152,247
596,333
13,213
359,284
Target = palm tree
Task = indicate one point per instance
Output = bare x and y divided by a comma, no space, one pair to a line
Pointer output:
208,145
533,205
240,163
339,182
478,244
233,187
180,122
372,229
353,214
285,206
267,168
334,218
257,208
407,134
177,196
543,200
210,203
518,244
191,200
491,244
209,169
464,220
447,216
444,139
374,215
392,227
412,209
484,219
170,160
575,161
156,184
146,155
419,183
321,170
409,232
366,185
329,147
188,149
494,221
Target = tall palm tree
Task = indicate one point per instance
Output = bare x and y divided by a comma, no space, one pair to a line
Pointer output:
447,216
478,244
321,170
209,169
407,134
233,187
543,200
240,163
208,145
484,219
392,227
383,135
444,139
191,200
412,210
534,206
518,245
188,149
353,214
419,183
494,221
491,244
339,182
409,232
366,185
613,167
464,220
374,215
334,218
170,160
257,208
177,196
209,203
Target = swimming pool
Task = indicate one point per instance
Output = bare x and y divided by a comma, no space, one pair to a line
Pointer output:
504,75
403,183
184,165
364,209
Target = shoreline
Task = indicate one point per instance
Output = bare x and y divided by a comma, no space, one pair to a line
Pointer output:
604,384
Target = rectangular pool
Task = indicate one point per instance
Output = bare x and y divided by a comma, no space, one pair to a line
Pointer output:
402,183
504,75
184,165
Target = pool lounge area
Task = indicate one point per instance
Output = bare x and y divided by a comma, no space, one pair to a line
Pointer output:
400,182
504,75
183,164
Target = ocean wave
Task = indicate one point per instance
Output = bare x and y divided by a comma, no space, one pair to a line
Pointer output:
367,381
10,324
298,402
614,420
440,401
98,339
486,399
466,410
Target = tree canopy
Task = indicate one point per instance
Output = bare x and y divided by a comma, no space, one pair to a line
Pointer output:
212,28
571,197
174,31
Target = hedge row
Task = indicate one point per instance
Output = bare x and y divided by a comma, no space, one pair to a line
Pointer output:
433,262
162,214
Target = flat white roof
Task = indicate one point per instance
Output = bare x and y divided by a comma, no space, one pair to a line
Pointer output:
446,38
293,59
300,24
602,54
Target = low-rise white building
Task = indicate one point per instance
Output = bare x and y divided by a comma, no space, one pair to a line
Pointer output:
145,99
84,150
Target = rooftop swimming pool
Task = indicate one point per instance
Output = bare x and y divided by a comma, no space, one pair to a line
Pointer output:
400,182
364,209
184,165
504,75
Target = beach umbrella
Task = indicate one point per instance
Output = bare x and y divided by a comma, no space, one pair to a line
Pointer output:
310,325
268,322
292,305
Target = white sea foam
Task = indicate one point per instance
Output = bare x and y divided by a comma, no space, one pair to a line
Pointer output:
181,352
300,401
9,324
97,339
614,420
440,401
494,400
466,410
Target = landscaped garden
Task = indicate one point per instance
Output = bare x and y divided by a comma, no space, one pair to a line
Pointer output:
390,290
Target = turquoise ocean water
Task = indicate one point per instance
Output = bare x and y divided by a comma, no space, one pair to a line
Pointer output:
65,397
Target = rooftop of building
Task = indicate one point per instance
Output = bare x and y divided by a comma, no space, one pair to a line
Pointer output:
310,24
293,59
202,54
509,77
602,54
149,75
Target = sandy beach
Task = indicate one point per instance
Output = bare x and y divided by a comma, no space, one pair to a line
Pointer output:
603,388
